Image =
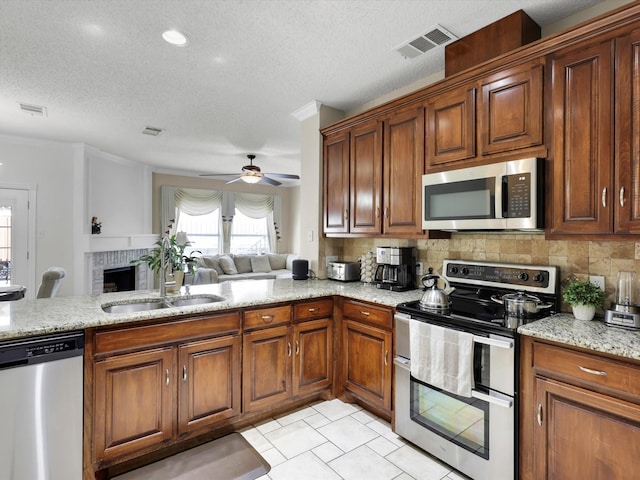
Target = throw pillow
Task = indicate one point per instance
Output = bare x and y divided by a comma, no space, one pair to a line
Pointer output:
260,263
277,261
243,263
211,261
227,265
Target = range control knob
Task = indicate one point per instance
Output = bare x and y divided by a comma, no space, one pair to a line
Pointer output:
524,276
465,271
453,269
538,277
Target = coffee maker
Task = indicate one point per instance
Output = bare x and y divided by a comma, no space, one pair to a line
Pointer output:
625,311
396,268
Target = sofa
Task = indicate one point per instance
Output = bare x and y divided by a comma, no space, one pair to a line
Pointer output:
222,268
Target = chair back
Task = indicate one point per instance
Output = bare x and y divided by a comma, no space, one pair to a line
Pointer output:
51,280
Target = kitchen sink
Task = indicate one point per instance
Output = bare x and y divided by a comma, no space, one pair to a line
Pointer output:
136,306
146,305
200,300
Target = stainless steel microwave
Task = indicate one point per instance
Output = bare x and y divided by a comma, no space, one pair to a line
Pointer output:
498,196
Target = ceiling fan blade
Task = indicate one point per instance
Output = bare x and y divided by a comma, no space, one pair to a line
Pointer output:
234,180
283,175
270,181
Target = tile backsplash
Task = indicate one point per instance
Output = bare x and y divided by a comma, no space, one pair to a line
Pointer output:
582,258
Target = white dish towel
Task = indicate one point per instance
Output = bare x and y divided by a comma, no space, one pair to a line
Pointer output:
442,357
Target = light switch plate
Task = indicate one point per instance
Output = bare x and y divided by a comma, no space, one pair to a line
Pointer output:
597,280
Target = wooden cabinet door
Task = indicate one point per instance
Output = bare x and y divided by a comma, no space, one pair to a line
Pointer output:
134,402
403,165
367,363
450,128
627,194
582,434
336,183
510,110
313,359
209,382
266,367
582,128
366,178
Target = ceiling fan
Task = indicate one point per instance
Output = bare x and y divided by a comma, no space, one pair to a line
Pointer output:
251,174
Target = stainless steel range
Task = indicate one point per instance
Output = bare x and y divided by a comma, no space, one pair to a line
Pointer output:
475,432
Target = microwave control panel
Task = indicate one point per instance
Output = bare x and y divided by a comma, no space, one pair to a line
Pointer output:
516,200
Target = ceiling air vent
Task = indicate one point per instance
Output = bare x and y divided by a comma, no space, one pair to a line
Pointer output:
153,131
35,110
435,37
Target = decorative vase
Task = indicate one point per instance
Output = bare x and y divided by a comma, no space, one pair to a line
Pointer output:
584,312
178,277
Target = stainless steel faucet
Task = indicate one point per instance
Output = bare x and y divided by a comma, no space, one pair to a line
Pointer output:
165,245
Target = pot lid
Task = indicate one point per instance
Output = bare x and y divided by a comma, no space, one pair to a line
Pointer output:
520,297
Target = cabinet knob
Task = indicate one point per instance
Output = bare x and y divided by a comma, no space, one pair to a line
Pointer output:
288,349
386,358
184,373
166,376
267,318
622,196
539,416
297,347
604,197
365,313
313,310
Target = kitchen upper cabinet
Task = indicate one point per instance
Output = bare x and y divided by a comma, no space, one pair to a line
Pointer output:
510,109
365,184
626,197
580,413
582,138
367,343
336,183
403,166
450,128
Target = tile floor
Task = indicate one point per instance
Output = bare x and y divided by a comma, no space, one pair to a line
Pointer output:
334,440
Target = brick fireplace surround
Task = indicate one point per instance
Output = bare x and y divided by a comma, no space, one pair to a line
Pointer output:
100,261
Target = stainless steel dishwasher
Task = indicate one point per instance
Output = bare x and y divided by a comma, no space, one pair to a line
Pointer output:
41,407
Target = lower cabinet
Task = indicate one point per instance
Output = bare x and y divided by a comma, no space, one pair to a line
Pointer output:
286,360
580,414
157,394
367,350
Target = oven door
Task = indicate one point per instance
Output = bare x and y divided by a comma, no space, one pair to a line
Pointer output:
474,435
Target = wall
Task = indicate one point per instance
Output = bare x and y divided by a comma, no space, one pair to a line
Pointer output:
288,195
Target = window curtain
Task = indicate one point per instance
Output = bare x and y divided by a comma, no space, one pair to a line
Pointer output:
167,208
228,210
261,206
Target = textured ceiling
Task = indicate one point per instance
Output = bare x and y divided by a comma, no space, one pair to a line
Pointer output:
103,71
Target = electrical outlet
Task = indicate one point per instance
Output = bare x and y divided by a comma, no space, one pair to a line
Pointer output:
331,258
597,280
419,268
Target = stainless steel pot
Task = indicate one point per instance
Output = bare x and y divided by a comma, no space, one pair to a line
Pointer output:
520,307
434,298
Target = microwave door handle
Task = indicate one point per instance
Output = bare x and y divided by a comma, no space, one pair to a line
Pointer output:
504,197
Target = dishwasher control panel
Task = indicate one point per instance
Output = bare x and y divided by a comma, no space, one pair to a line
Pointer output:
41,349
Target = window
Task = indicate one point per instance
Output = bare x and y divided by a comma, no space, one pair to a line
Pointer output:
203,232
5,244
249,235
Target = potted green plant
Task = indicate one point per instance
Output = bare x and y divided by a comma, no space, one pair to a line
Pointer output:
584,297
175,258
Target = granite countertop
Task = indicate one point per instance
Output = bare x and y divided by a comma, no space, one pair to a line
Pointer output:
593,335
25,318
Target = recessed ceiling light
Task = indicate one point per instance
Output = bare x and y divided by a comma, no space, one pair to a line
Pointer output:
174,37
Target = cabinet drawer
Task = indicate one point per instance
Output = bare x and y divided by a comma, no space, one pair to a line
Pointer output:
315,309
368,313
266,317
164,333
593,369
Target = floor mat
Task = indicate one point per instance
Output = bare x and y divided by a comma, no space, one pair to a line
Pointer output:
227,458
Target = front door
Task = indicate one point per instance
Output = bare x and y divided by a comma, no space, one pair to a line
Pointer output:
14,238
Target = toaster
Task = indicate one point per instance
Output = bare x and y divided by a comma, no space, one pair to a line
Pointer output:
344,271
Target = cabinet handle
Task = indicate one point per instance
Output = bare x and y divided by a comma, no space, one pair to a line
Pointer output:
365,313
267,318
539,414
386,212
313,310
622,196
346,214
604,197
297,347
289,349
166,375
592,372
386,358
378,212
184,373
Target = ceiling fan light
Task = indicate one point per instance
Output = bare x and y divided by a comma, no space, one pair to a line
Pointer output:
251,178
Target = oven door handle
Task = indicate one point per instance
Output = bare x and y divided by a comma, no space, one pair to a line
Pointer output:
403,363
493,342
500,402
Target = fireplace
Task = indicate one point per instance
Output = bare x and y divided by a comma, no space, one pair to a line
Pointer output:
122,279
104,265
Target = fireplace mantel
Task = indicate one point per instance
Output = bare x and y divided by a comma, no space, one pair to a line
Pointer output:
107,243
